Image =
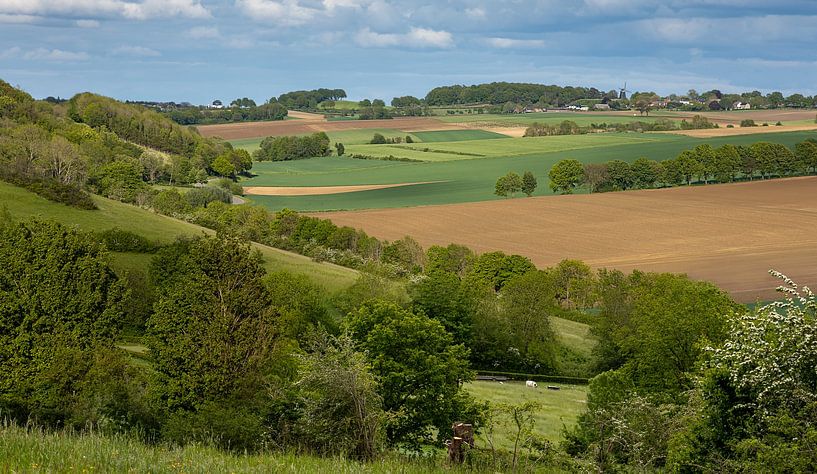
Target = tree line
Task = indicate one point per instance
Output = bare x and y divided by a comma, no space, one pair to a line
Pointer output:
286,148
239,111
96,143
702,164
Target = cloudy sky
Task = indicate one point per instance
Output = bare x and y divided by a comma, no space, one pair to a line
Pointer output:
200,50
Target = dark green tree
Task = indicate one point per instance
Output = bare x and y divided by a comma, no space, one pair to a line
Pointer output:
528,183
420,370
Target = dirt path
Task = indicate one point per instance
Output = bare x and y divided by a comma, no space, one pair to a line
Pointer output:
729,234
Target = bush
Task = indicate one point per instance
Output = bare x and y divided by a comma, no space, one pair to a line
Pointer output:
201,197
170,202
230,185
51,189
118,240
748,123
378,139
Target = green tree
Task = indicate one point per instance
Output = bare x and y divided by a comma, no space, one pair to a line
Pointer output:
619,174
222,166
688,166
420,371
454,258
439,296
378,139
496,268
707,161
528,183
509,184
212,328
62,307
341,411
645,172
527,302
727,163
806,153
340,148
566,175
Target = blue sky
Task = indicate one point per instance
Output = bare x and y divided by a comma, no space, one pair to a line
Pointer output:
200,50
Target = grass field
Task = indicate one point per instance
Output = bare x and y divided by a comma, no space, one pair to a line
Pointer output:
559,408
574,335
22,204
469,149
463,180
456,135
32,450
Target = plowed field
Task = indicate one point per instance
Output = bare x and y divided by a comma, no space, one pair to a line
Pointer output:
236,131
729,234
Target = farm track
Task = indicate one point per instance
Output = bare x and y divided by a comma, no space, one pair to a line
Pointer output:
729,234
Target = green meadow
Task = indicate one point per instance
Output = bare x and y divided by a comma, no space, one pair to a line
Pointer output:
462,178
23,205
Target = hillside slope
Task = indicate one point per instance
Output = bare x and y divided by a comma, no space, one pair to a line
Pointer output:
22,204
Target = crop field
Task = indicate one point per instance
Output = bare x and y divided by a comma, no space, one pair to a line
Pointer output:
459,180
23,205
730,234
559,408
469,149
456,135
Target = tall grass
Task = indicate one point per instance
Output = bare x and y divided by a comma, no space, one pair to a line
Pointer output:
26,449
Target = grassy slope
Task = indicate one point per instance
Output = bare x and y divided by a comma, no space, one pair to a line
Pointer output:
463,180
559,407
24,450
22,204
574,335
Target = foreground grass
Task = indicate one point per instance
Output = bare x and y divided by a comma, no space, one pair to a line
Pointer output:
23,205
559,408
32,450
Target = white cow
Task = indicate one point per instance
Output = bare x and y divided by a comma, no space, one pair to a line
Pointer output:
531,384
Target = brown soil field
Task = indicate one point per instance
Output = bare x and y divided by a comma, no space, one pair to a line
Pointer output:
729,132
306,116
320,190
730,234
235,131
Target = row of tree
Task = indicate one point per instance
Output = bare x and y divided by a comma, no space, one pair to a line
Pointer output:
512,183
234,113
703,163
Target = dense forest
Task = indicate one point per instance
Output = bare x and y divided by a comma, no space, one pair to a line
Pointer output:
682,378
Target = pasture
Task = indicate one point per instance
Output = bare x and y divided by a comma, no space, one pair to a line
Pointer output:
465,178
729,234
559,408
23,205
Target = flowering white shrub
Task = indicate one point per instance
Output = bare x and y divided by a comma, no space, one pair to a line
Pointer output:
770,355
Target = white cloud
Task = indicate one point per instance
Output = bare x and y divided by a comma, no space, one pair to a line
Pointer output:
11,53
510,43
58,55
87,23
416,38
139,51
14,18
203,32
475,13
135,10
283,13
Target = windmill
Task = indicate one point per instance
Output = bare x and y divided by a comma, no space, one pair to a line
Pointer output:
622,93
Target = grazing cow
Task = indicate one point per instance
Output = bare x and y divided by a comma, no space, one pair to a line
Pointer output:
531,384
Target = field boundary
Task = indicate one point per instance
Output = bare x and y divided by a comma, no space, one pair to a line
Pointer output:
536,377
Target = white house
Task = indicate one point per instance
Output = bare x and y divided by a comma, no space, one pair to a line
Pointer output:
741,105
